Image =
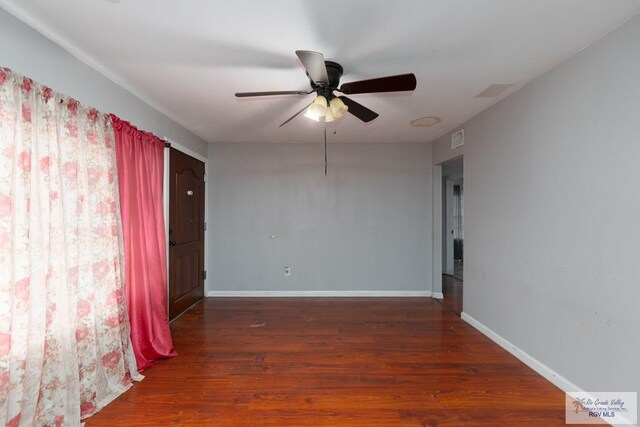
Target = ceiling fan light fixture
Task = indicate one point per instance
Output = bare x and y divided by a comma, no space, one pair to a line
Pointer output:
311,115
330,111
317,109
330,117
337,108
319,106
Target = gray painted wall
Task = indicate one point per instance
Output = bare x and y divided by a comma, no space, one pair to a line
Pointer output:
552,226
364,227
28,52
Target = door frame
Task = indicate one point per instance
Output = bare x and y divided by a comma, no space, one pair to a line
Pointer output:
439,236
165,199
447,262
437,233
448,221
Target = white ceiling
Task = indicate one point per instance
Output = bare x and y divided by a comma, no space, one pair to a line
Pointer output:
187,58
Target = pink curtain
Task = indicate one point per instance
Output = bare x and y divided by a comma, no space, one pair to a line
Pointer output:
65,348
140,157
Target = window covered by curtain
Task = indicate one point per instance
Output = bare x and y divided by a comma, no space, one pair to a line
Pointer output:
65,349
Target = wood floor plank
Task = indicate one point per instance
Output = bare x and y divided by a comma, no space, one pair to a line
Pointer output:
324,361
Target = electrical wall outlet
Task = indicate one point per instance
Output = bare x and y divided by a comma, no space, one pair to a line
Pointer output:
287,271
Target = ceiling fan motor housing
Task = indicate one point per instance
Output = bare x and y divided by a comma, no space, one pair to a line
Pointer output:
334,71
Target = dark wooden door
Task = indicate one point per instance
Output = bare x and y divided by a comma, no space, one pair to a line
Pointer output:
186,232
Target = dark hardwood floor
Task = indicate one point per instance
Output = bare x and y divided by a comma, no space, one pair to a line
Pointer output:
324,361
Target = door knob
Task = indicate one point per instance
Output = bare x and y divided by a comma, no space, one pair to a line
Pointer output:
172,242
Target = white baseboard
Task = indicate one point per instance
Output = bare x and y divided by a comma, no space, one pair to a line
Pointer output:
551,375
252,294
438,295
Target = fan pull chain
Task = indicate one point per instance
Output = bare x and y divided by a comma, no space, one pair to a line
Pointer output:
325,149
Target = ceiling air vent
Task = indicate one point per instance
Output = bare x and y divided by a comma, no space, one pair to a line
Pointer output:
457,139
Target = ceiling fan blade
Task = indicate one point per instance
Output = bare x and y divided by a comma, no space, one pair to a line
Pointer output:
383,84
359,110
295,115
280,92
314,64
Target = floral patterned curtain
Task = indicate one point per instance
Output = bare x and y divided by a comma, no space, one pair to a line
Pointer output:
65,349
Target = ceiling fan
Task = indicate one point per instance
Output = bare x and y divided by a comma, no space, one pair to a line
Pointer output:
325,80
